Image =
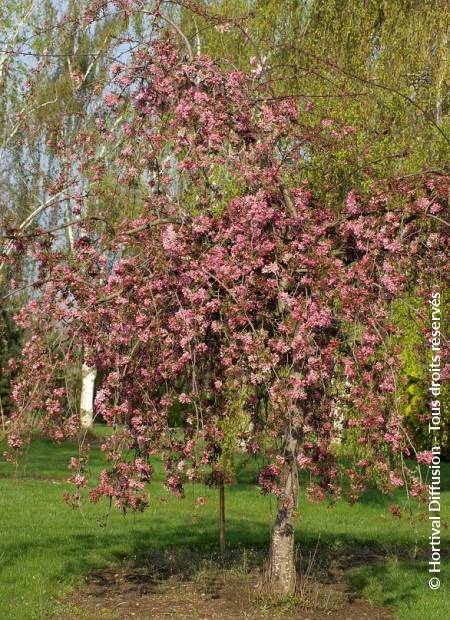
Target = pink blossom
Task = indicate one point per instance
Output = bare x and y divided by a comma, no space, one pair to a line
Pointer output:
169,238
111,100
395,480
425,457
303,461
14,442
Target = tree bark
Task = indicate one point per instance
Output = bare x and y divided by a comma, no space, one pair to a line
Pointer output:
280,574
88,375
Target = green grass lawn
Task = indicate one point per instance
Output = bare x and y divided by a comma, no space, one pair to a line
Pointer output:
46,548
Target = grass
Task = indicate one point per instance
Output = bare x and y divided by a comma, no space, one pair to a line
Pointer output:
46,548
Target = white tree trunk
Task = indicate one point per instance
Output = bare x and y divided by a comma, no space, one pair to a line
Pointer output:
88,374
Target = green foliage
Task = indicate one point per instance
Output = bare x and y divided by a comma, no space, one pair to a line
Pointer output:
235,422
410,317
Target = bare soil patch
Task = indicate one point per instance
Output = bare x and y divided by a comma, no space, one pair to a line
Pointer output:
188,586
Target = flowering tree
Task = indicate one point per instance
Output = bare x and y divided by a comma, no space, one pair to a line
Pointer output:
235,293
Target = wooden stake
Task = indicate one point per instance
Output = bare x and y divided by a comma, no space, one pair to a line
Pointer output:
221,517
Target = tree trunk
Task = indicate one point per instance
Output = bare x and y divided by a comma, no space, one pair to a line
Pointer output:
280,574
88,374
2,415
442,51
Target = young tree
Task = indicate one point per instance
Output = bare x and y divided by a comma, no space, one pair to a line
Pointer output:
235,284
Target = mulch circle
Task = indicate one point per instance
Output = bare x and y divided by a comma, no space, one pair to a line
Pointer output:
155,589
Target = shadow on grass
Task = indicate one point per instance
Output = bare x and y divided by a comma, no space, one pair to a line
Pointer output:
198,544
189,555
390,583
158,533
184,542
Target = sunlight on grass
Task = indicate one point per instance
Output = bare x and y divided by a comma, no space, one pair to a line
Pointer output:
46,548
